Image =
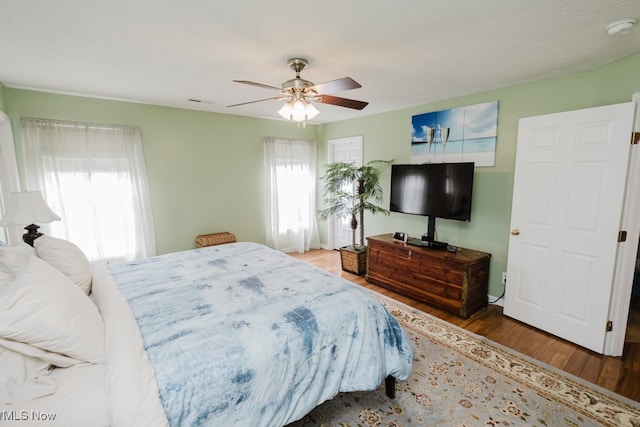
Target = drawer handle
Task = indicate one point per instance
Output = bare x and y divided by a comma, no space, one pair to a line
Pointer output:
409,254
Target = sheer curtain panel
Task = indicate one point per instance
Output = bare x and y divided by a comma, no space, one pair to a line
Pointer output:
8,178
290,167
94,177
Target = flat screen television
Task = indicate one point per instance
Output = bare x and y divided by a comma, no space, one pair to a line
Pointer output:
435,190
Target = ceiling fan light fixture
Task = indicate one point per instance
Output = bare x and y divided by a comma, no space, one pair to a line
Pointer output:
311,111
301,94
286,110
298,110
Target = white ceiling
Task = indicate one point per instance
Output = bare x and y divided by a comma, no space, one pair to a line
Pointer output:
403,52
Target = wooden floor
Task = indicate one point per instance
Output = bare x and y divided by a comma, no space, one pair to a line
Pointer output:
621,375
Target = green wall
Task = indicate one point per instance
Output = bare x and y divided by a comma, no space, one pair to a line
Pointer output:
387,136
206,170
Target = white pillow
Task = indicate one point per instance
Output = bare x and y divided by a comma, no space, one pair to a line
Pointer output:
66,257
41,307
24,248
12,262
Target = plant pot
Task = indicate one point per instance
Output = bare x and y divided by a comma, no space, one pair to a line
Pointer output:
354,260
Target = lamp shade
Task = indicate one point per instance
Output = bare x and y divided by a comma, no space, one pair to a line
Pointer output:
27,207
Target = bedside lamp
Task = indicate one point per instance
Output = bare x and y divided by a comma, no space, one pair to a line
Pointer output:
27,208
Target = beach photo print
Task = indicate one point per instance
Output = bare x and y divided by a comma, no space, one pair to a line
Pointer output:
463,134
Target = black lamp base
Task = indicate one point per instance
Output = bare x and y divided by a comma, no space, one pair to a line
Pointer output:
32,234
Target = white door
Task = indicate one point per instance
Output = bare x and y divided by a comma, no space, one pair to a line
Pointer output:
568,194
348,150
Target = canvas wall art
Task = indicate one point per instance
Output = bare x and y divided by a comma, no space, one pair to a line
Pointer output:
463,134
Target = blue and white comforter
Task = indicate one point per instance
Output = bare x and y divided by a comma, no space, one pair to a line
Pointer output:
241,335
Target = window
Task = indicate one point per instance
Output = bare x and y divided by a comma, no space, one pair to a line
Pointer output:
290,167
93,176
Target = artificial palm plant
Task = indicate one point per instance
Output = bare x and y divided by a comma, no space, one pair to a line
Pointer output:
350,191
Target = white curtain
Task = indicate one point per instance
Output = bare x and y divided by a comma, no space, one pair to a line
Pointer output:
94,177
290,167
8,178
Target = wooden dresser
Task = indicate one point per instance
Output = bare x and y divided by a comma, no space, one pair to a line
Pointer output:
455,282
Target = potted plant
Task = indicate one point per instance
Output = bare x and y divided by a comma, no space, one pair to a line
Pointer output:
350,191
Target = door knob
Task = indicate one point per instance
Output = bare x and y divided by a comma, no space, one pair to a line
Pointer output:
515,232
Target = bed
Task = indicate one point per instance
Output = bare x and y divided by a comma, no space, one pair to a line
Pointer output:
236,334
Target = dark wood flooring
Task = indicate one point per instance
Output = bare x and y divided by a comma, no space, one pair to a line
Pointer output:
618,374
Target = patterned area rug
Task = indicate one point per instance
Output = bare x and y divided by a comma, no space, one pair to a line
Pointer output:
462,379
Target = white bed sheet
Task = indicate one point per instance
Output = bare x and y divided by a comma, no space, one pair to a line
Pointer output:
132,389
80,401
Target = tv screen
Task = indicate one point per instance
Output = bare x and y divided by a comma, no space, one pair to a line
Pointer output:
441,190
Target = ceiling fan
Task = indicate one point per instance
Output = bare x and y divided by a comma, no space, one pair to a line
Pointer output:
299,94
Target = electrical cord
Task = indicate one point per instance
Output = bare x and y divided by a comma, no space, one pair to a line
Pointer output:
497,299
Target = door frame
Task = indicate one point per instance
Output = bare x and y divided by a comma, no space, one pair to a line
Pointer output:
331,146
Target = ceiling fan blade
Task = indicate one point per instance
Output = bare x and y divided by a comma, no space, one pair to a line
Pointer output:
247,82
275,98
337,85
341,102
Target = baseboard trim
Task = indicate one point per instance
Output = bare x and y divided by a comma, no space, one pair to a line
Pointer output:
496,300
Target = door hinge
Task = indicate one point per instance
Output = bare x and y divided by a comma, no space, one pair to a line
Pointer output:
609,326
635,138
622,236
